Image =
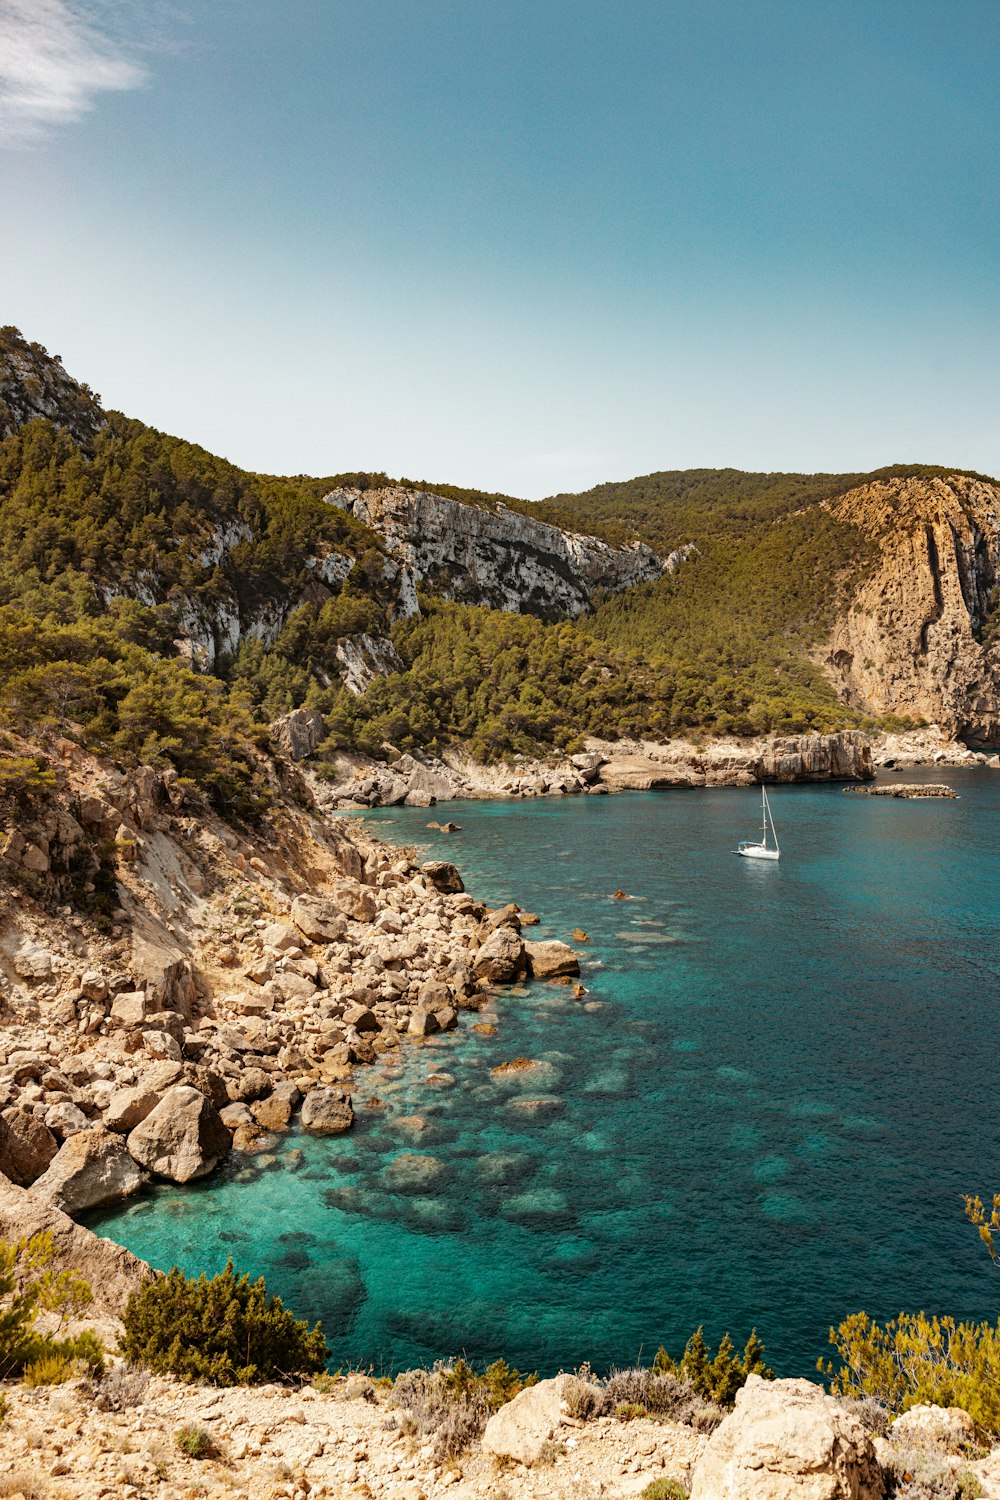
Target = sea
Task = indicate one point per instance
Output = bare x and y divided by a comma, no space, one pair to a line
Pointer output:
763,1113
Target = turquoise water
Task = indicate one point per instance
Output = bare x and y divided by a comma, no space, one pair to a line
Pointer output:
766,1111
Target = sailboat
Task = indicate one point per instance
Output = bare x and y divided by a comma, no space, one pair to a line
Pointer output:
760,848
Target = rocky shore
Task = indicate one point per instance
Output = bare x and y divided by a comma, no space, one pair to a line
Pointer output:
238,983
602,767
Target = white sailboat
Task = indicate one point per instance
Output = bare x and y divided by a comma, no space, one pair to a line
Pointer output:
760,848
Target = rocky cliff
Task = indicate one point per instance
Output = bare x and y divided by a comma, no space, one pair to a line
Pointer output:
495,556
920,637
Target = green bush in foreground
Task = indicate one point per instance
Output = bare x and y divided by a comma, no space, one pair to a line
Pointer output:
36,1303
223,1330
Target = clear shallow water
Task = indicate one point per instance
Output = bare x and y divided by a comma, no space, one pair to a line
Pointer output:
770,1118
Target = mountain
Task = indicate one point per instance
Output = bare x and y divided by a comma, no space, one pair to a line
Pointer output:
165,607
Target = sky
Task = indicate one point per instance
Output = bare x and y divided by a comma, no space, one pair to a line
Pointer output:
522,245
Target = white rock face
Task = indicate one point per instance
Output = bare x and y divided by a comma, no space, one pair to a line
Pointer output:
496,557
363,658
521,1429
788,1440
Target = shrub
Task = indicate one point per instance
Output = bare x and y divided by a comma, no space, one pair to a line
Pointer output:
223,1330
194,1441
50,1369
36,1303
916,1359
921,1474
451,1404
664,1489
720,1377
121,1389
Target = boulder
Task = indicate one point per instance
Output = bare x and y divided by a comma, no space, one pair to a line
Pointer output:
250,1085
161,1045
947,1428
275,1112
66,1119
299,733
26,1146
501,957
320,920
91,1168
127,1108
788,1440
163,972
129,1008
522,1429
93,985
352,898
423,1022
413,1173
551,960
32,961
443,877
434,994
361,1018
327,1112
280,935
291,986
182,1138
447,1018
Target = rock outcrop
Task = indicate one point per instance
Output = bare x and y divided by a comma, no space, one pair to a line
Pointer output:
488,554
915,640
524,1429
327,1111
27,1146
182,1138
647,766
788,1440
112,1272
91,1168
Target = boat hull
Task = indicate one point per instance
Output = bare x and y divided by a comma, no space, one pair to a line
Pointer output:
757,851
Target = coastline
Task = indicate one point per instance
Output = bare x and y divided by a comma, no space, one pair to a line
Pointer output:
418,779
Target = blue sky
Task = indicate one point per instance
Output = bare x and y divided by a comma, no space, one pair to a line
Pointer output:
528,246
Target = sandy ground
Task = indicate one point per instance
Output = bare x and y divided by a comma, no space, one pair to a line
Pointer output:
299,1445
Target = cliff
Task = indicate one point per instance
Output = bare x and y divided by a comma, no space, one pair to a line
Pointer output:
919,637
493,556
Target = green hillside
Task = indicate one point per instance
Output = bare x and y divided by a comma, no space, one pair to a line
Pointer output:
117,542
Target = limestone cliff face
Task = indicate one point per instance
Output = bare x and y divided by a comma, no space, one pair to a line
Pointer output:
495,557
916,637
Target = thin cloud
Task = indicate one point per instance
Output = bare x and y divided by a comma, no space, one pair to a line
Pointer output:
55,58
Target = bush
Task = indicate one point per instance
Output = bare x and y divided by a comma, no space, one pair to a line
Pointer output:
50,1369
121,1389
664,1489
921,1474
916,1359
194,1441
451,1404
717,1378
662,1394
223,1330
36,1303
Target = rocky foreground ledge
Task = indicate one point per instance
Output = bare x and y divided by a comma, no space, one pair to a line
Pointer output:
129,1437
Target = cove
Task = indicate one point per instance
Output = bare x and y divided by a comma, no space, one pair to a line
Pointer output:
764,1113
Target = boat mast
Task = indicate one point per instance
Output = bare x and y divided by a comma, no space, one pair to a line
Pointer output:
768,814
